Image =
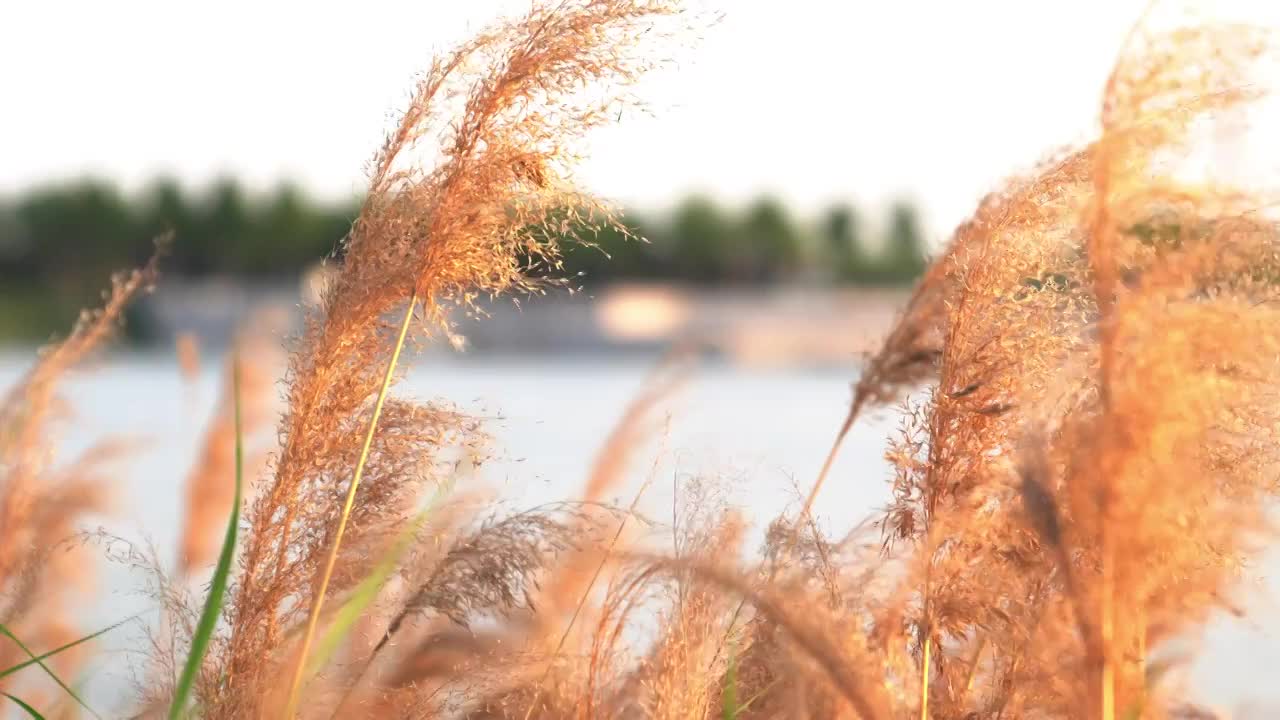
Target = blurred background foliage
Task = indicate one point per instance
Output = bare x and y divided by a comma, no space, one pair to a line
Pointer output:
60,242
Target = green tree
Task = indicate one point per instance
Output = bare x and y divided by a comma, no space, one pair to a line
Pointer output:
80,231
72,233
904,257
700,241
227,223
165,207
768,246
603,253
842,247
287,232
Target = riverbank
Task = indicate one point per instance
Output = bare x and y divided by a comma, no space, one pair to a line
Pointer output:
777,327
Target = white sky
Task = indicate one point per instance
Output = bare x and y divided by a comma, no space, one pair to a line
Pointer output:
815,100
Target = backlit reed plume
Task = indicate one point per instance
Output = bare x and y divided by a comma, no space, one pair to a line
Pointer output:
44,572
1082,483
1078,486
520,577
464,196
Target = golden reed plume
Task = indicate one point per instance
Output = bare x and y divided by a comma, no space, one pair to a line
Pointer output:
1085,461
464,197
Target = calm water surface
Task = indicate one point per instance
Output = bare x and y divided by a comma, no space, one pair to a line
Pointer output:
760,432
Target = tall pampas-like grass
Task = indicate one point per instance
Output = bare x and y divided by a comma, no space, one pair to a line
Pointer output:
1097,443
461,196
1084,465
43,502
1078,488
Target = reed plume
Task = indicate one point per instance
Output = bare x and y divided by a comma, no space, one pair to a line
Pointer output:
1110,517
1078,486
462,196
44,576
210,483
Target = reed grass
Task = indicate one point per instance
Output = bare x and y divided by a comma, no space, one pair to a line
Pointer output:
1084,463
44,569
332,559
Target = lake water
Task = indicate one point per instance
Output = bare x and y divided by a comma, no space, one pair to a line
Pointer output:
762,432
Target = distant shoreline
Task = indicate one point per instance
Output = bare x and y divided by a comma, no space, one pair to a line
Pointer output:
782,326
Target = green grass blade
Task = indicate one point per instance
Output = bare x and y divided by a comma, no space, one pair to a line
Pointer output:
39,661
759,694
367,590
729,700
30,710
218,587
40,658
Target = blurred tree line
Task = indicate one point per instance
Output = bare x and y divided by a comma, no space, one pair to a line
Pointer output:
87,229
60,243
80,232
701,242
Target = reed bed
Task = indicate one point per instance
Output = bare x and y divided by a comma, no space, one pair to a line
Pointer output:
1086,378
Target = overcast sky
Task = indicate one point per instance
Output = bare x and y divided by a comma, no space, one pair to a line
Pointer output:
815,100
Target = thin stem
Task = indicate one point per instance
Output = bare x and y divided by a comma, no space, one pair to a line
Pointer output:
1107,678
927,630
295,689
1141,640
971,673
830,460
805,513
582,601
924,675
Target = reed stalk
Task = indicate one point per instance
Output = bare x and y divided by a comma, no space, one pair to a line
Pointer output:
295,688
